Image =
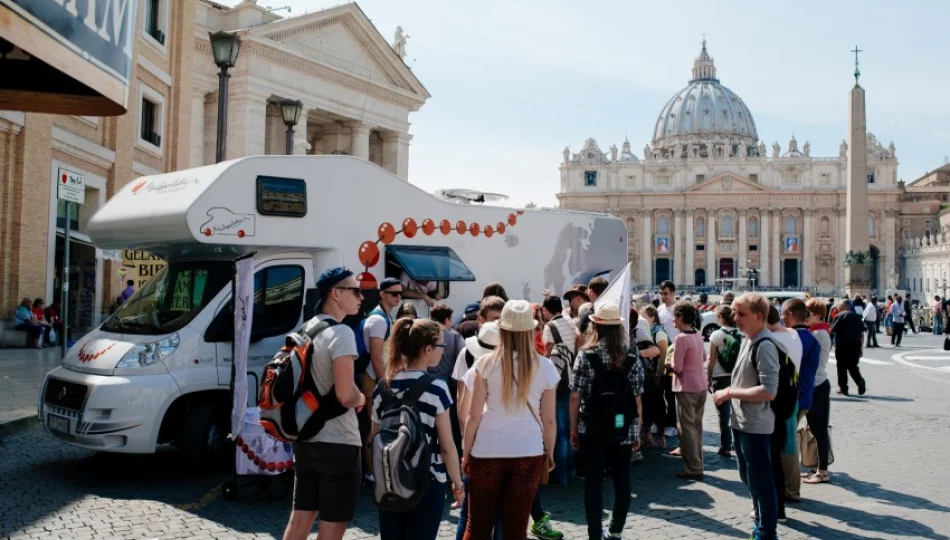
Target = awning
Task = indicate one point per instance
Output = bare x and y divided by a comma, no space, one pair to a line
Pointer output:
431,263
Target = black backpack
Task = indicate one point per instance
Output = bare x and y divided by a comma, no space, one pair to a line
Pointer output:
612,406
563,359
787,395
402,454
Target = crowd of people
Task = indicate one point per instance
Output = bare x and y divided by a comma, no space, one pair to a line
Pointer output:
511,395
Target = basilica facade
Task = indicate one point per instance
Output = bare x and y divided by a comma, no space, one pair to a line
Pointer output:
709,201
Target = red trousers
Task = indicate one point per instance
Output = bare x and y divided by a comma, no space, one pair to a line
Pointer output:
506,483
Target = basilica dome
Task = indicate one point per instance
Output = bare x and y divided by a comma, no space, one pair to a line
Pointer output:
705,114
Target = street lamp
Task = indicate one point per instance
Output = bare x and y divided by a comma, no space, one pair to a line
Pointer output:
290,111
225,47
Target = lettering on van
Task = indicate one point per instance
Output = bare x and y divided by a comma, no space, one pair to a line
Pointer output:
163,187
225,221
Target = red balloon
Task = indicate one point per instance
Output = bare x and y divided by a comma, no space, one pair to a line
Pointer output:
520,212
428,226
367,280
239,441
474,229
512,219
281,466
445,226
409,227
290,464
489,231
271,467
244,448
501,228
251,454
262,465
369,254
387,233
460,227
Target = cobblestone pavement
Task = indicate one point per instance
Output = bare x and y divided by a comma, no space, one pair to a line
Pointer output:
889,481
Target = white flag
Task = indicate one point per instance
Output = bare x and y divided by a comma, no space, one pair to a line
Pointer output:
243,322
618,292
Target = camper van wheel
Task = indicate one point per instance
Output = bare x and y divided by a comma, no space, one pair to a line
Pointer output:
203,437
230,490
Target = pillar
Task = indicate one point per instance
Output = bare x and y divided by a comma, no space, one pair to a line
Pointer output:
690,272
247,119
335,139
765,242
679,247
276,132
711,273
360,140
890,249
646,248
743,246
779,248
806,247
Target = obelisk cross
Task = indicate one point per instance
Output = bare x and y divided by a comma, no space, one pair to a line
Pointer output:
857,71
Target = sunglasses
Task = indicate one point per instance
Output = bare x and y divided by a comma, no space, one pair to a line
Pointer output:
356,290
439,345
393,293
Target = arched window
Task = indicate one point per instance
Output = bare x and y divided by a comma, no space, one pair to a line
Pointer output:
791,225
753,228
700,228
725,226
824,226
663,225
871,226
630,227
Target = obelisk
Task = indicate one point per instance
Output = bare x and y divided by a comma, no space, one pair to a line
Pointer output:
857,245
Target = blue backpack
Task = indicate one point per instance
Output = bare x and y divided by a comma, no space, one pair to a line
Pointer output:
362,350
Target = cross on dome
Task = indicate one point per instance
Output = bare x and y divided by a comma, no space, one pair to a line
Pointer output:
704,69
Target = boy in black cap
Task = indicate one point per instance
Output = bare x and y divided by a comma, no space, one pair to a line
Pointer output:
327,469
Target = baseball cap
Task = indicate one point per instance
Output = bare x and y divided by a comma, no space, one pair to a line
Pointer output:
328,279
388,282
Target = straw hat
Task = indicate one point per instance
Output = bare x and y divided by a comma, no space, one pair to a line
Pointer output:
607,314
517,316
485,342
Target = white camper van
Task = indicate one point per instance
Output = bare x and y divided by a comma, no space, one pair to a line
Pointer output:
158,370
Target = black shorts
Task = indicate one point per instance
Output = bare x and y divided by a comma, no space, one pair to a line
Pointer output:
327,479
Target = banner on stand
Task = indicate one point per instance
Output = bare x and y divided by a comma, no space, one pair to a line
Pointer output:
243,322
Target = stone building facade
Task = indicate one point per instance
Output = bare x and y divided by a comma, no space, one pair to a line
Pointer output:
925,246
357,94
709,201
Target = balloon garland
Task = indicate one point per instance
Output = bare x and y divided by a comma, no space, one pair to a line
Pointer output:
261,464
386,234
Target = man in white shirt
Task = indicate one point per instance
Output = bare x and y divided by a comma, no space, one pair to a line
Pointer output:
551,310
667,299
870,321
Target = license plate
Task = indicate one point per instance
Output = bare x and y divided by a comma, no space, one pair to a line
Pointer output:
57,423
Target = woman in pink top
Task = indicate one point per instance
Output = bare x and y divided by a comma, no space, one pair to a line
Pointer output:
689,385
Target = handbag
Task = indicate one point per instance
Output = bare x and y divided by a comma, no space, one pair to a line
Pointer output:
946,343
548,460
809,447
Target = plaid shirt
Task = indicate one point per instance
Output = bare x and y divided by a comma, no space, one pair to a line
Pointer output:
583,381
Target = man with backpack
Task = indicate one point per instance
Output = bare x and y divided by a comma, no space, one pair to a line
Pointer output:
371,350
327,465
754,384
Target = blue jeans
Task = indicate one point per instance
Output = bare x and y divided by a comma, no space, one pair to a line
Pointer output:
420,523
463,517
563,471
755,470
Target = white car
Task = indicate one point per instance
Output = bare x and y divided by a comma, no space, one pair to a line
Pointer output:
708,324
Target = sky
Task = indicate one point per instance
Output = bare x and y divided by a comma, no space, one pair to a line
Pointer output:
513,83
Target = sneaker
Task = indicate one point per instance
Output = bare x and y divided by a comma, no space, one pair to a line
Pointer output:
611,536
636,456
670,431
544,530
862,388
369,479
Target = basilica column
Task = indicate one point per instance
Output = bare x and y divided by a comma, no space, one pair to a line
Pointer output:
777,237
765,242
247,122
646,248
711,274
890,248
690,272
743,240
360,143
840,247
678,251
805,244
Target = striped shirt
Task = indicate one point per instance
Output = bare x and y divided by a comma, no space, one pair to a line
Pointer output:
433,402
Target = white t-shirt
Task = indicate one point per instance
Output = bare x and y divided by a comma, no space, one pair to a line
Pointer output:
565,328
330,345
504,433
458,372
792,344
717,339
375,327
666,319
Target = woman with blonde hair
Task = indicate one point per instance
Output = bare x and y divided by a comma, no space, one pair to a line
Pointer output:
511,427
415,346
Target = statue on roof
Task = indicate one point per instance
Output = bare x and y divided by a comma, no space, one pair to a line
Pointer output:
776,149
807,149
399,42
891,151
647,152
843,149
762,149
567,155
613,152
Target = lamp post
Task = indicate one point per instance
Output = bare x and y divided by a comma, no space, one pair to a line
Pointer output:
290,111
225,47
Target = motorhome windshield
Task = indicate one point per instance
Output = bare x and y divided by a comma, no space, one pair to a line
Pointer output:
171,299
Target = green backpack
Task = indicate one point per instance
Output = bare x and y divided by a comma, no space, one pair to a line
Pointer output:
730,350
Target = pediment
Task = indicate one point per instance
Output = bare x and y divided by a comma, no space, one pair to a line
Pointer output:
346,40
727,182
